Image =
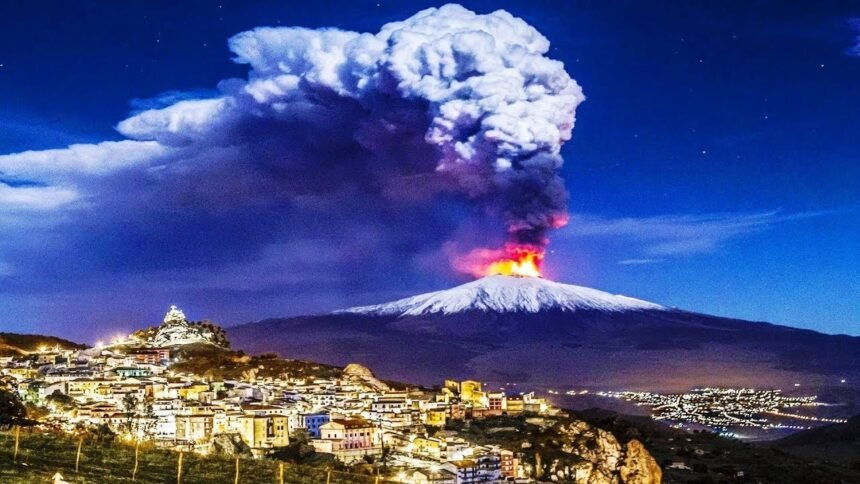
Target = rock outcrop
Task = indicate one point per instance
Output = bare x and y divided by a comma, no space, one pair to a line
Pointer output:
639,466
230,444
356,370
605,460
177,330
362,373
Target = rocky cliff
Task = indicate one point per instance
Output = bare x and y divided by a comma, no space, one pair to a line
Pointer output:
565,449
356,372
177,330
605,460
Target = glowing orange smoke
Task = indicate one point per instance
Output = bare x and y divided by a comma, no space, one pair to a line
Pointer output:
524,263
510,260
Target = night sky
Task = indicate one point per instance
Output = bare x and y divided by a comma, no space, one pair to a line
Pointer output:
713,167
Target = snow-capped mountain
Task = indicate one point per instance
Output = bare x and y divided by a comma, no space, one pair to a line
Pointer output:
506,294
537,332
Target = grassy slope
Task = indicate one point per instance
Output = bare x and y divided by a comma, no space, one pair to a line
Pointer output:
43,454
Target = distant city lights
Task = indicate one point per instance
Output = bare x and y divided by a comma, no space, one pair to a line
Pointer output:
724,408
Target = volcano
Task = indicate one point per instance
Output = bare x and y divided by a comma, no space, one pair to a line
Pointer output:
544,334
506,294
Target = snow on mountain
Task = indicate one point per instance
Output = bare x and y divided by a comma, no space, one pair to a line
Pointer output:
506,294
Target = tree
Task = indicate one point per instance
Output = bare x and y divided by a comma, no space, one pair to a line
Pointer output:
60,401
139,417
129,405
219,336
33,388
301,436
12,410
386,458
101,434
35,412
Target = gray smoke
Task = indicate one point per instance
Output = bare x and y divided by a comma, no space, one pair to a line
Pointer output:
445,102
496,108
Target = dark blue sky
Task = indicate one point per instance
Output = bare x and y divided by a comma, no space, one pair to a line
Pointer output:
714,165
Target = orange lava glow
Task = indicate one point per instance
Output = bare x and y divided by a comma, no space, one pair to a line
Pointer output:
509,260
520,261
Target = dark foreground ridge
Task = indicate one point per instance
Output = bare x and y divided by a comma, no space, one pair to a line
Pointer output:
838,443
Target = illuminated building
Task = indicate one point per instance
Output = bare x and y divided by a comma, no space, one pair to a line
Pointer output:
349,440
262,432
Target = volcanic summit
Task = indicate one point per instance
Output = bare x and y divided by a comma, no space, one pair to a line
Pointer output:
506,294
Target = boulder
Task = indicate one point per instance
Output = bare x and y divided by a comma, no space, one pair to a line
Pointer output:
639,466
606,460
230,444
363,374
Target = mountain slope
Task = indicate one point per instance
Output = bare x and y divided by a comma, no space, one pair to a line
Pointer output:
838,443
14,344
550,335
504,294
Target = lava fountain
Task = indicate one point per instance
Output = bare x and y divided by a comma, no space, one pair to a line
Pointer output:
524,263
510,260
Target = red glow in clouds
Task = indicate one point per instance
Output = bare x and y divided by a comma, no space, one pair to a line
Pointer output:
511,260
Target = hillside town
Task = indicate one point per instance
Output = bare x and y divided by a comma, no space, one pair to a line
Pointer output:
131,387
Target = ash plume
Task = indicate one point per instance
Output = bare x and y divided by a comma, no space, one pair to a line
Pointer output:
330,130
477,88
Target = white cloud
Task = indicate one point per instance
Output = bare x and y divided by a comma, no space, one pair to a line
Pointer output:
79,159
678,235
29,198
181,122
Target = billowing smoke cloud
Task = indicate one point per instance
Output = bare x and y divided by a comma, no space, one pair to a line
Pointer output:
477,88
442,119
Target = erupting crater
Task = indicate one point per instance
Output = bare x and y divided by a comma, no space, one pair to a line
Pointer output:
511,260
525,262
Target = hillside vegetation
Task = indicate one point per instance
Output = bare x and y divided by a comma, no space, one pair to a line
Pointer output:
210,361
13,344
